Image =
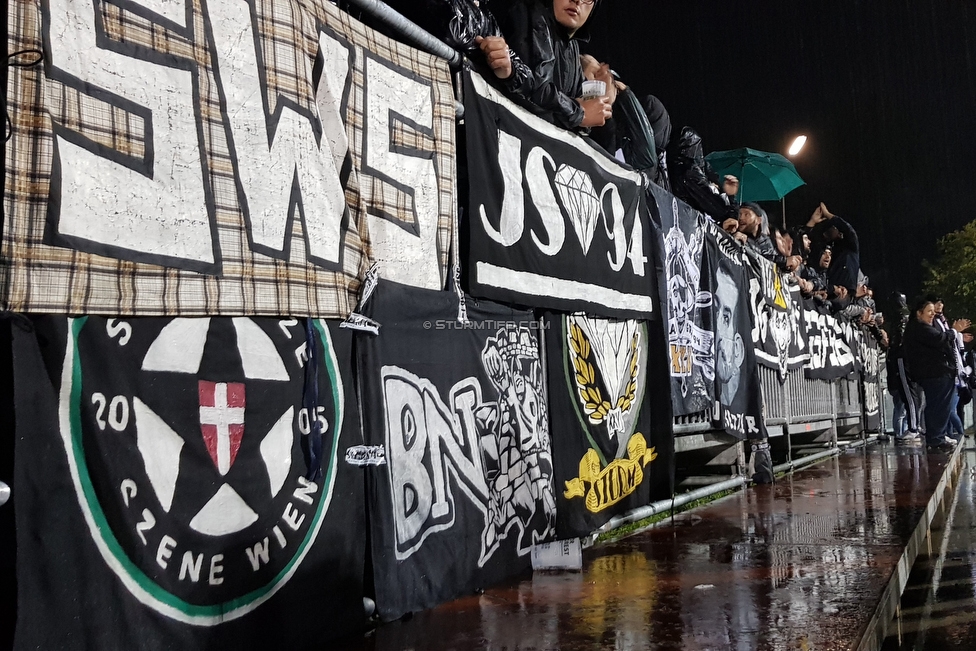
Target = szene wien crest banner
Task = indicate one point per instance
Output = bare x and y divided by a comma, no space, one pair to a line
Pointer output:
227,157
187,479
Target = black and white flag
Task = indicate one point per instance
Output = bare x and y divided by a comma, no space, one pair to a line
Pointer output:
552,222
831,344
461,410
613,448
778,333
690,339
737,390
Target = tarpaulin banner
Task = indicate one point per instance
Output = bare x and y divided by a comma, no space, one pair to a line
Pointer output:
226,157
460,410
691,343
870,356
737,388
610,454
181,484
830,342
552,223
778,332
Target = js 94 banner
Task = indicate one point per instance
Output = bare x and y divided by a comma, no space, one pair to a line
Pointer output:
226,157
552,222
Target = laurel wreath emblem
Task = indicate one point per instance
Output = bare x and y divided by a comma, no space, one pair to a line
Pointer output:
594,403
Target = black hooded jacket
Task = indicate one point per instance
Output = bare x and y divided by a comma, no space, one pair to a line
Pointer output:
690,175
553,59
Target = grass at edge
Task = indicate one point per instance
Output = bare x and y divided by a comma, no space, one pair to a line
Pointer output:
635,527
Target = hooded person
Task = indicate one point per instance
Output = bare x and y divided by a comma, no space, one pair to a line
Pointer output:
660,121
753,234
546,34
694,181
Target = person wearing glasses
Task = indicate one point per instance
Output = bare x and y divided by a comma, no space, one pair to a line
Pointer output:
546,35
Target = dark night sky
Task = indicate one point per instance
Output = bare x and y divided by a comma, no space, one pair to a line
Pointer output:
885,90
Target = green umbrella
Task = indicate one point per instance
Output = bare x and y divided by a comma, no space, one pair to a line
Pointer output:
763,176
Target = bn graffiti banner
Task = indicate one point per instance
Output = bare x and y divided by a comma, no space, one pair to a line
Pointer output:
610,454
460,411
552,222
227,157
831,343
181,484
778,332
737,389
690,339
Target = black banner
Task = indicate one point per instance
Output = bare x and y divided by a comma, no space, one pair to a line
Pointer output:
552,222
870,356
461,410
691,342
180,484
831,343
778,332
737,389
611,453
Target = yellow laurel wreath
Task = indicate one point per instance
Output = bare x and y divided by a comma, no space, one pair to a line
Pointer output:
589,391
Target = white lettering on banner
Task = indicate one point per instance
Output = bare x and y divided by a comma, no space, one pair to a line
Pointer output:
496,452
290,161
190,566
580,203
544,199
405,243
740,423
155,206
283,165
427,442
511,222
827,341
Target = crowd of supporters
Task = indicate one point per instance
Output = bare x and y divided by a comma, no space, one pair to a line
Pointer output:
533,50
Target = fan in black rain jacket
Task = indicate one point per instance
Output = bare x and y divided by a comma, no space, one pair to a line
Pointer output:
553,58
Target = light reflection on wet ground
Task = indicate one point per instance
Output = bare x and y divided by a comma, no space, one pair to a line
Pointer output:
798,565
938,607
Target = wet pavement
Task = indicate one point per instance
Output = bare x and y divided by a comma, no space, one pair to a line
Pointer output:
938,607
802,564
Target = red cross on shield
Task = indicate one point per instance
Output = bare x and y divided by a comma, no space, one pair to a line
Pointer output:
222,421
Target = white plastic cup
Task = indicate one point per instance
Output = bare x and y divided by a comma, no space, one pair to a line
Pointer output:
594,88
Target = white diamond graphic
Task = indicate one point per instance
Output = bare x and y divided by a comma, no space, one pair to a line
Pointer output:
581,202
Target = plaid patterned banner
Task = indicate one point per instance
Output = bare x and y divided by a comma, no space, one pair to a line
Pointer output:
234,157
